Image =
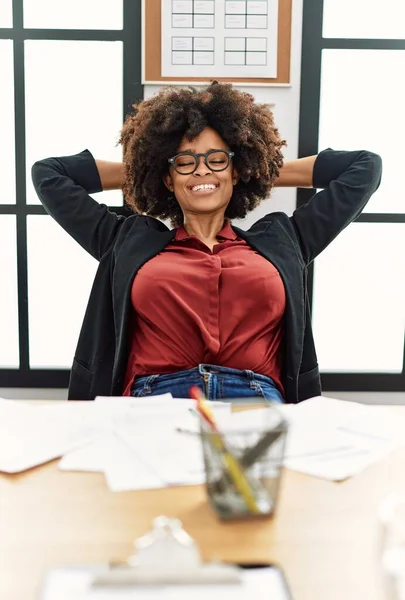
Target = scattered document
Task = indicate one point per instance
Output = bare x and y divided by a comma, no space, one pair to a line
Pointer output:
136,442
91,457
173,457
335,439
125,471
142,448
83,433
30,436
69,583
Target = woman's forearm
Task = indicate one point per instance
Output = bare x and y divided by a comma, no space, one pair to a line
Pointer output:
297,173
111,174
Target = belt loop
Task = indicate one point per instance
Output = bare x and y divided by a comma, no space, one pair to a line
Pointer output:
148,382
250,375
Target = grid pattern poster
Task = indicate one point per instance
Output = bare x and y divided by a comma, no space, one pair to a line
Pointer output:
219,38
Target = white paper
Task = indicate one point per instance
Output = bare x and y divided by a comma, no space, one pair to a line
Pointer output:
330,438
172,457
30,436
140,447
224,38
334,439
91,457
125,471
135,441
304,438
69,584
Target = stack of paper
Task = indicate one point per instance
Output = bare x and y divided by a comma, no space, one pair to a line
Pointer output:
143,449
334,439
135,441
330,438
30,436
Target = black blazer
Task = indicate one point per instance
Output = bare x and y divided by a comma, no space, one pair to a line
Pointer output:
123,244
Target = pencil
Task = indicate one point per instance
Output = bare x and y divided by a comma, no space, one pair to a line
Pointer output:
233,467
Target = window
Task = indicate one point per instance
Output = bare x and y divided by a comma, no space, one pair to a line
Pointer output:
352,98
7,144
70,73
6,13
9,355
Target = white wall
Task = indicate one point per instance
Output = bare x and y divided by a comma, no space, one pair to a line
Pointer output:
286,111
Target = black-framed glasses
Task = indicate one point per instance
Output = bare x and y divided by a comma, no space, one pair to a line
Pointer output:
186,163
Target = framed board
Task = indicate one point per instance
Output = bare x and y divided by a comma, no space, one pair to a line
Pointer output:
246,42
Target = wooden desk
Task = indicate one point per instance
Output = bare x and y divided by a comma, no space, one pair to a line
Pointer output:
324,534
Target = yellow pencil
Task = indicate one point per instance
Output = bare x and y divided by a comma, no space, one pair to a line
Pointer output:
232,464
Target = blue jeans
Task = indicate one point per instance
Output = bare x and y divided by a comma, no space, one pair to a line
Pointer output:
216,383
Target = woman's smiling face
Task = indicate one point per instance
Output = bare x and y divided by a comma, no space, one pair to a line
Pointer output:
204,191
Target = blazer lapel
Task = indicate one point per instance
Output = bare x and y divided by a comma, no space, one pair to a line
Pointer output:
141,244
275,245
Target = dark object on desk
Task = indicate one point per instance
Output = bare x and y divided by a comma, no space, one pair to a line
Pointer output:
251,455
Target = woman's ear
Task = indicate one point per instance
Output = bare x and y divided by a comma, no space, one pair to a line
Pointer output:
167,180
235,176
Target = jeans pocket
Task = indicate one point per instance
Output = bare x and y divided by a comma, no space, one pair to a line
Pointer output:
140,392
143,388
268,392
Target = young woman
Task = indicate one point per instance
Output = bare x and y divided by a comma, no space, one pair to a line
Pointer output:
204,303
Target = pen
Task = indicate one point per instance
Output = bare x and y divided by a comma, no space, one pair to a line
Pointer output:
252,454
234,469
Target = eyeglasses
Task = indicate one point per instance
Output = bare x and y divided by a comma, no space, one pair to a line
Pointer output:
186,163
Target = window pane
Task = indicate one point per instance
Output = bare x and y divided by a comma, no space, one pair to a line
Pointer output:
73,14
362,100
7,148
359,300
9,350
6,13
364,19
78,106
60,275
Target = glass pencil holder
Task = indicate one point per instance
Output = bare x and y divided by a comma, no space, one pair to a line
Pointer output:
243,465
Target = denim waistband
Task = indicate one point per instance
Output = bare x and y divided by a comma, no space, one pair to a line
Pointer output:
207,368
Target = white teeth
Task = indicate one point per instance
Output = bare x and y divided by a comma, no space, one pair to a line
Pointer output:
204,186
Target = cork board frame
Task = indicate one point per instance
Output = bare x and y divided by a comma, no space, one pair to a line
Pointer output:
152,51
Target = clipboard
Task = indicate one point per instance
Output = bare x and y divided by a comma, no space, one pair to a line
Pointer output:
166,565
260,582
